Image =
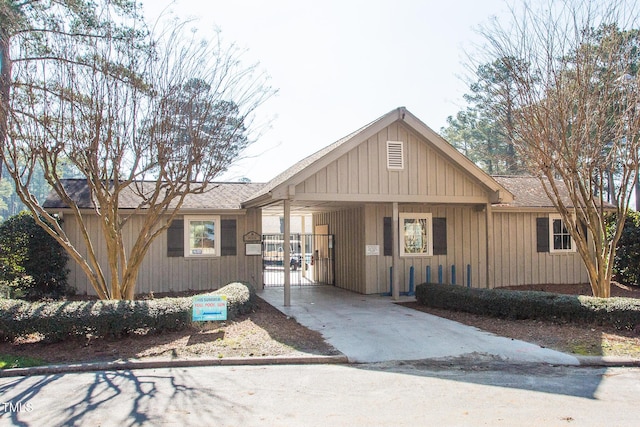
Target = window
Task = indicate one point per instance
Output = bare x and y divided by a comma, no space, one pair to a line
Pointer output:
416,234
438,233
201,236
559,236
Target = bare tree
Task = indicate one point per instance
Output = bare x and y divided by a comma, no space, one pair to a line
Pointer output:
576,118
150,117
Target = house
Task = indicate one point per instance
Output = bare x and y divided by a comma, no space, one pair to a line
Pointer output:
391,194
171,264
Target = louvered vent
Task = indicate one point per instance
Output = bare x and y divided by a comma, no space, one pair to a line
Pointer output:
395,155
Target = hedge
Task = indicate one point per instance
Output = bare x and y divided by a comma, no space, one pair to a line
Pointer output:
61,320
621,313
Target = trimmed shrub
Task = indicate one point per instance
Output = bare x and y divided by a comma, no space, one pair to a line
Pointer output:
61,320
622,313
27,250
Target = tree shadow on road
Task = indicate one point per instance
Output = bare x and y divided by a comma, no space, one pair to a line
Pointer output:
141,397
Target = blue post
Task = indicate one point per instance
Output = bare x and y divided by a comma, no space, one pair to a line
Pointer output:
440,274
428,274
390,293
468,275
453,274
411,290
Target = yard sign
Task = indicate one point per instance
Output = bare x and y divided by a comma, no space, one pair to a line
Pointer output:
209,308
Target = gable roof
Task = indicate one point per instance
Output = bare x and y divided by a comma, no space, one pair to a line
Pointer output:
220,196
311,164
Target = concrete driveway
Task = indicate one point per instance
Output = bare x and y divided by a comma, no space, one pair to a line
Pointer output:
371,328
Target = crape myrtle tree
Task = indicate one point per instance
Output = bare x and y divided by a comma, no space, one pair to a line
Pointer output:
576,116
150,114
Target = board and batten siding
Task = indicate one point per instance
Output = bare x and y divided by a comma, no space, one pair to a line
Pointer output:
516,260
466,231
361,174
348,230
159,273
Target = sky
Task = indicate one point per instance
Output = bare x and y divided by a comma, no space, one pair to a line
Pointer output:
340,64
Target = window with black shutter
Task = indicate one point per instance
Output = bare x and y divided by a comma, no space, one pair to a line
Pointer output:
542,234
175,239
388,236
439,227
228,246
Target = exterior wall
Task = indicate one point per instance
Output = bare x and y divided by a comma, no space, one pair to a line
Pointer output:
361,174
349,236
160,273
466,231
516,260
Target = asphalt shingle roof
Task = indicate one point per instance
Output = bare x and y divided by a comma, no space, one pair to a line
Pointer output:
220,196
528,192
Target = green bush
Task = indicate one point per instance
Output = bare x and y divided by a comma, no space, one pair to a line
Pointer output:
60,320
27,250
626,266
622,313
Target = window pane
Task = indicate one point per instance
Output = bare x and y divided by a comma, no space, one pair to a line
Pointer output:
557,242
202,237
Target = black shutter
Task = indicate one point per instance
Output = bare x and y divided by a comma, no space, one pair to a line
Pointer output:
175,239
228,237
439,228
585,230
388,236
542,234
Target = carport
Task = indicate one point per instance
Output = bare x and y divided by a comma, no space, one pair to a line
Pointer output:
393,194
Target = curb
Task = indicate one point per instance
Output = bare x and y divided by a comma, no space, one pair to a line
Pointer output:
608,361
127,365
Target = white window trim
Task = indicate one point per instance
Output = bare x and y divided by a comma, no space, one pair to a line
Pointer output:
552,250
187,235
428,247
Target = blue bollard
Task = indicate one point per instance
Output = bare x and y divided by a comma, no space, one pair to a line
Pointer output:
468,275
428,274
411,283
440,274
453,274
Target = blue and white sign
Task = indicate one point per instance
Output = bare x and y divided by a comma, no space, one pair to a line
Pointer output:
209,308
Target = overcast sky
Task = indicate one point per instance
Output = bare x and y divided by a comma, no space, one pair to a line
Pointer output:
339,64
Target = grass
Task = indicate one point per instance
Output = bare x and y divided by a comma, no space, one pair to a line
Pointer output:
8,361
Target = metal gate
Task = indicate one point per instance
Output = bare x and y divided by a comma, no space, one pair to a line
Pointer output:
311,259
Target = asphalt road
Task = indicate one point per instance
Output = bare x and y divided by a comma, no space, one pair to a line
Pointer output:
388,394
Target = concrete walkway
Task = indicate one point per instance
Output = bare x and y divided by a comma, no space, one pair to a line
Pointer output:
371,328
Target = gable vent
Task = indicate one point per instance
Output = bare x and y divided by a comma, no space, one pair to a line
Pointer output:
395,155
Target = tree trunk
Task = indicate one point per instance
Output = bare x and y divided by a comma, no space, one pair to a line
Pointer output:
638,193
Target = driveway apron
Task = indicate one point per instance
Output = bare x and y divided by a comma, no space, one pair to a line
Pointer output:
372,328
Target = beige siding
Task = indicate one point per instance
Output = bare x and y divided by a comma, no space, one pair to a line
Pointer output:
160,273
516,260
348,230
361,174
466,232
